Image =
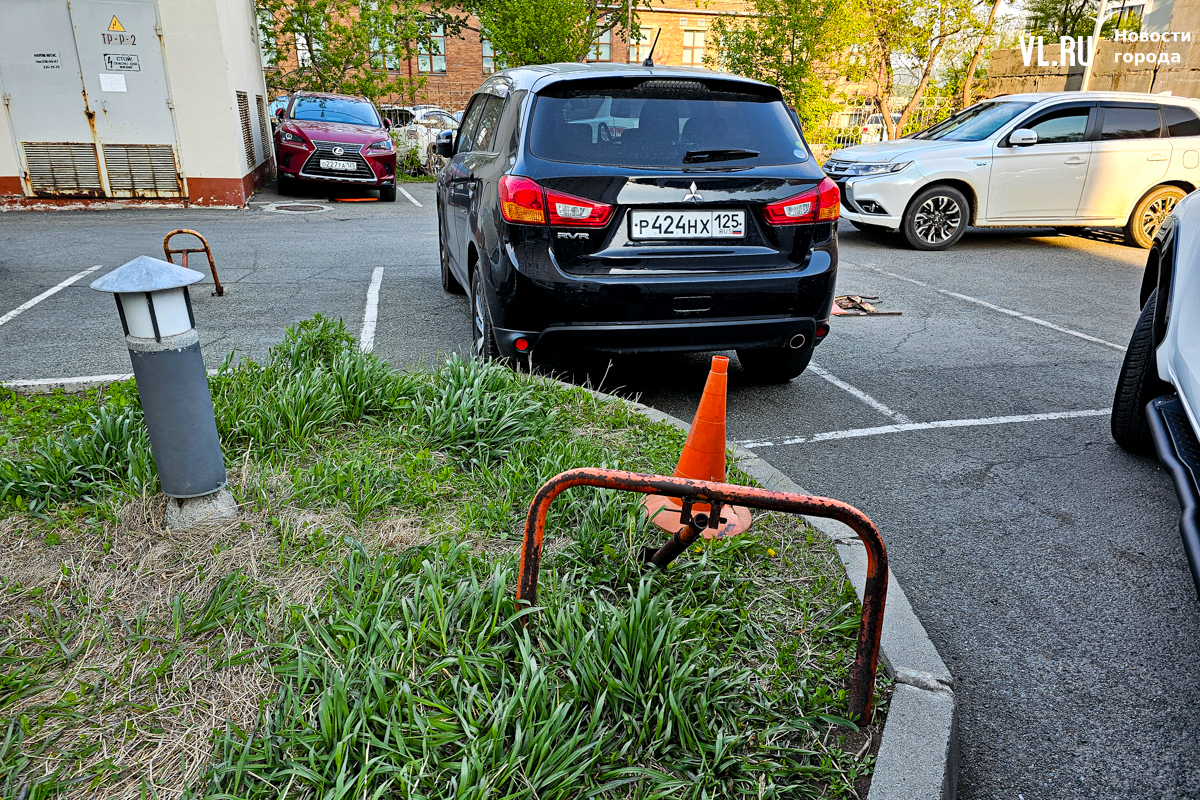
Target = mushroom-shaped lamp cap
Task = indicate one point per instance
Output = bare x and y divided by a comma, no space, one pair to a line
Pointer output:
146,274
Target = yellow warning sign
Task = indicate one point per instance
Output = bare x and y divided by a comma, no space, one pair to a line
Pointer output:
115,25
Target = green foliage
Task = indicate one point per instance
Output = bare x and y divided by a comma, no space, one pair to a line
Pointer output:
1054,18
801,46
348,46
550,31
417,678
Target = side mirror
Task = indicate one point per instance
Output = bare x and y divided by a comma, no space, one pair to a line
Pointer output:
1022,137
387,124
279,113
445,144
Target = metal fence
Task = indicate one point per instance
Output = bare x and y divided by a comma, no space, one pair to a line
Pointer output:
861,123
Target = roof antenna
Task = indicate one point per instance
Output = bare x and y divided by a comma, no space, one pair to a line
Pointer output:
649,62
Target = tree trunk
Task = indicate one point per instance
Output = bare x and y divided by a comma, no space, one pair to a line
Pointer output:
969,78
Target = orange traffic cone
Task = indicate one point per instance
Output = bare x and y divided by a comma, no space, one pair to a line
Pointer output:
703,459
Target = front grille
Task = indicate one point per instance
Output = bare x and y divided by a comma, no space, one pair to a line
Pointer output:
833,168
59,169
141,170
351,152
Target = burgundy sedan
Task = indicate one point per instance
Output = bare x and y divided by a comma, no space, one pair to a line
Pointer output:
335,138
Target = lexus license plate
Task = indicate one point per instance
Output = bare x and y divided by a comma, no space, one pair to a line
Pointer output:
718,224
343,166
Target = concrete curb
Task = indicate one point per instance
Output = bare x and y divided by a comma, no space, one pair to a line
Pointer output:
918,754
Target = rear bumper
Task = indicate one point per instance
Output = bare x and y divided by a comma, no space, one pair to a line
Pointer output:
663,336
1179,451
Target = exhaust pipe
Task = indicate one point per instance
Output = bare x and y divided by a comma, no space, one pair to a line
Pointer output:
798,341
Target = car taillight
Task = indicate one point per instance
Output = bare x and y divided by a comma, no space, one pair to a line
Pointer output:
521,200
567,209
819,204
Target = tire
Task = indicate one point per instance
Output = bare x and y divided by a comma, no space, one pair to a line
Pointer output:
602,133
775,364
387,194
1149,213
1138,384
866,228
433,162
483,340
450,283
936,218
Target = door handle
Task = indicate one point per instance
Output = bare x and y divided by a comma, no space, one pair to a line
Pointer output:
1075,160
1157,157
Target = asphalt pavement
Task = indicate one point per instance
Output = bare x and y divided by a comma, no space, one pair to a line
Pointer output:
1044,561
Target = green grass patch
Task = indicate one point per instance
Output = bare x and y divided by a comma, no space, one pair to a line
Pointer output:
354,633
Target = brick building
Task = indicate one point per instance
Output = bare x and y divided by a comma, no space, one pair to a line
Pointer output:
464,61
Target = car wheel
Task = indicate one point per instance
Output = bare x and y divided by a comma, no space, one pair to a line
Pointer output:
388,193
866,228
602,132
775,364
449,282
936,218
433,161
1149,214
1137,384
483,340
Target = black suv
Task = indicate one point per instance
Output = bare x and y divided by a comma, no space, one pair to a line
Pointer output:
635,209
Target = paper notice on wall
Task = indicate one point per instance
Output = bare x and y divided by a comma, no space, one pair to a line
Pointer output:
112,83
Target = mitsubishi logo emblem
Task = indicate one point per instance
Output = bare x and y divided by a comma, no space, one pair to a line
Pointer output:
692,194
337,151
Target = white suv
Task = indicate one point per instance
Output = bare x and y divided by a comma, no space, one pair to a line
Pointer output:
1060,159
1157,403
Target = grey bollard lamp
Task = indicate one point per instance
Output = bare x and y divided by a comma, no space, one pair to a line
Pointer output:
160,332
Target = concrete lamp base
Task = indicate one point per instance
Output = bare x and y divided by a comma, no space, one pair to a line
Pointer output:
209,509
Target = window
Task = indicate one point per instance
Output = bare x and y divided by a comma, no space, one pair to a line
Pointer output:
1060,125
303,53
639,50
1130,122
663,123
1180,121
974,124
489,119
267,42
602,49
470,122
383,57
335,109
433,59
489,57
693,48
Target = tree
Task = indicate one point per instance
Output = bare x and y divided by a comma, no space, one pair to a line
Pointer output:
969,74
1051,19
801,46
915,33
549,31
348,47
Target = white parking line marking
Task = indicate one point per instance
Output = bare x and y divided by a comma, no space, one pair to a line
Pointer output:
53,290
366,339
860,394
1001,309
73,384
858,433
404,192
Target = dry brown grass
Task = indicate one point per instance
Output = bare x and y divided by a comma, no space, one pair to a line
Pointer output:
139,702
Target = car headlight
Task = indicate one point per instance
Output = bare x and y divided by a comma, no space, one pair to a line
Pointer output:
385,146
874,169
291,137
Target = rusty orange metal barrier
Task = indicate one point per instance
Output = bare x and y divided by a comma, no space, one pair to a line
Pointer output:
168,251
719,495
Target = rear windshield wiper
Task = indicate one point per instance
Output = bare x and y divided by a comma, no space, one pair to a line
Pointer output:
705,156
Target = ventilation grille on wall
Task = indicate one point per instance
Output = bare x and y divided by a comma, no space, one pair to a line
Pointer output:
247,133
63,168
264,127
141,170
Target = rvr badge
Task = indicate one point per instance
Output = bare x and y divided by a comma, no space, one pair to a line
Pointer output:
573,235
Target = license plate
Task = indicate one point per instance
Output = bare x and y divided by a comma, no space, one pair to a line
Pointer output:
687,224
344,166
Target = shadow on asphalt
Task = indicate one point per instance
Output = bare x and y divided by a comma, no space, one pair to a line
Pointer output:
988,236
631,376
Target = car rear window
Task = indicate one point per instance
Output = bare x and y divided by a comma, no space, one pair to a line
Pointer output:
1180,121
334,109
664,123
